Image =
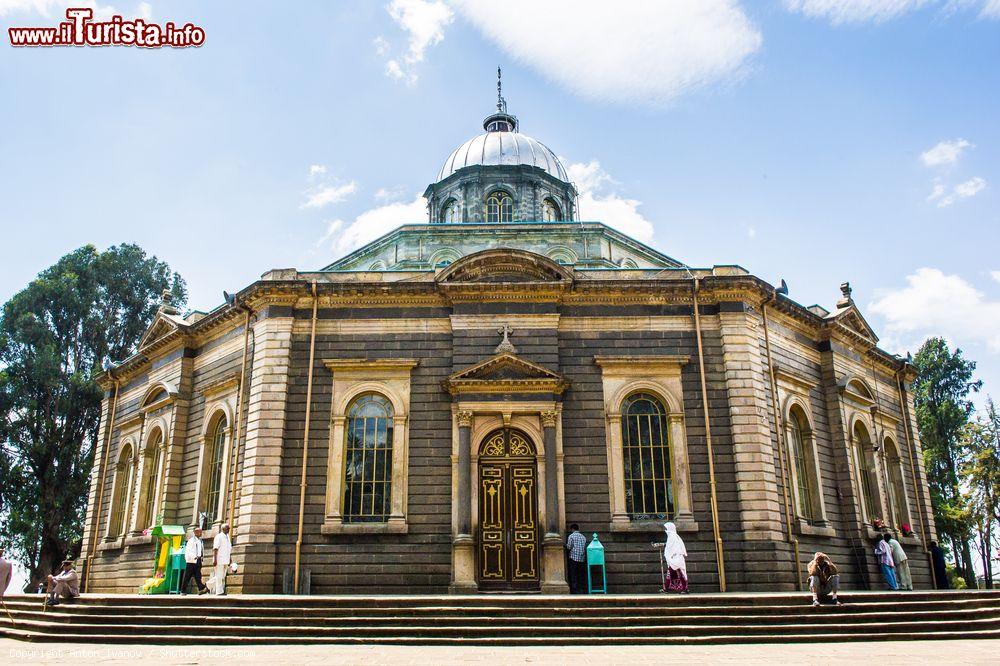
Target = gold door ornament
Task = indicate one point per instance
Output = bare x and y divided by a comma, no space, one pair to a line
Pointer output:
508,512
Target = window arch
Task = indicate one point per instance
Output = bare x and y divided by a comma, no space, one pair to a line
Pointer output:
450,211
150,479
646,458
215,456
368,464
897,491
867,478
499,207
551,211
800,447
121,497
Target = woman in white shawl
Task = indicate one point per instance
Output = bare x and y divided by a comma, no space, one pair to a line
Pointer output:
675,554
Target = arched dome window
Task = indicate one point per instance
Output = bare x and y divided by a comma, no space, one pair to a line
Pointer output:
368,469
551,211
646,456
499,207
450,212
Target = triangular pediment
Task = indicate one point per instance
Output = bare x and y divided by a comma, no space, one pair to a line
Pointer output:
505,372
850,318
163,325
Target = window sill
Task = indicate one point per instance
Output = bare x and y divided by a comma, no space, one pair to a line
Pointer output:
138,539
112,543
912,540
684,525
331,527
807,529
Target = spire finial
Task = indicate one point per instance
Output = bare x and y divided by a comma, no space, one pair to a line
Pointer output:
501,102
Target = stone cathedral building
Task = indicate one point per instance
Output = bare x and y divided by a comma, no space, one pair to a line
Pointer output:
429,413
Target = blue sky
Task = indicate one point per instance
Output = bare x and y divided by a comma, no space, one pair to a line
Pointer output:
812,140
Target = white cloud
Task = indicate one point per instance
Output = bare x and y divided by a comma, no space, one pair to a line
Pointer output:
944,153
641,51
937,192
56,9
390,193
369,225
839,12
995,275
991,9
324,195
597,203
969,188
316,170
933,303
424,23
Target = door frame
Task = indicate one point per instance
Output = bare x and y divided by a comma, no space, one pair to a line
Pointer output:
509,464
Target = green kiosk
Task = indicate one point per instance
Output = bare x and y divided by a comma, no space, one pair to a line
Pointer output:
168,561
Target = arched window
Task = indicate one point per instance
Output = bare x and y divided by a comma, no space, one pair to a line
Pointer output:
499,207
450,212
368,464
865,455
122,497
214,459
151,477
550,211
802,463
897,494
649,490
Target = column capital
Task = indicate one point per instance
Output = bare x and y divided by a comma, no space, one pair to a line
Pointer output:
549,418
675,418
464,419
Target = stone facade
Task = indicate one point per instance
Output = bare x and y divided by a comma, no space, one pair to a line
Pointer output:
470,388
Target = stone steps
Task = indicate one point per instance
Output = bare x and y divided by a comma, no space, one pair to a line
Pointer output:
505,619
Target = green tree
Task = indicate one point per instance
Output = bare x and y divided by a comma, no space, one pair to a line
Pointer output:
941,393
55,336
980,471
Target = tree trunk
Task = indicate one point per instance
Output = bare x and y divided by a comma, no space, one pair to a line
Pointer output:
50,556
968,572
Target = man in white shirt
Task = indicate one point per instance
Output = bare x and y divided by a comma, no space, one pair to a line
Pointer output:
222,549
194,551
64,585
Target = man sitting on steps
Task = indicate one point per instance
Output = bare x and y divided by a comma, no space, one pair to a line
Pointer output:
824,581
64,585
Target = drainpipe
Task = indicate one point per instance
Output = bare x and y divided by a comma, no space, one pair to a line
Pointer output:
305,438
102,471
719,559
240,400
913,468
782,454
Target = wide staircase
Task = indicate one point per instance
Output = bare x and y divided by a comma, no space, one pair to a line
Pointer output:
504,619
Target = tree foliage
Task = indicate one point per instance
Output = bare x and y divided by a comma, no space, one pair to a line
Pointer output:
943,408
980,471
54,337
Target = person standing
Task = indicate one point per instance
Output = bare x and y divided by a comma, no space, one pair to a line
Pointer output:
883,553
6,573
675,555
576,544
64,585
194,552
941,581
222,550
824,581
899,558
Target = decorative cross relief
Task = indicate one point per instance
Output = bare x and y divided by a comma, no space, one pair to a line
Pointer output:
505,346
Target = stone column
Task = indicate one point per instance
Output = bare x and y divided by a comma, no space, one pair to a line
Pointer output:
683,506
553,551
256,520
463,565
464,495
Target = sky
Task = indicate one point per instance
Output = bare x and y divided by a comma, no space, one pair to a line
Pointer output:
818,141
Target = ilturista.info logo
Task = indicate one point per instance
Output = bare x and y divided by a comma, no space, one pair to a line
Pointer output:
82,30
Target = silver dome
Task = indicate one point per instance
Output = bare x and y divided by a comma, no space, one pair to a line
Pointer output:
504,147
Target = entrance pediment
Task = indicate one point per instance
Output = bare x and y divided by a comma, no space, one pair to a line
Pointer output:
505,373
